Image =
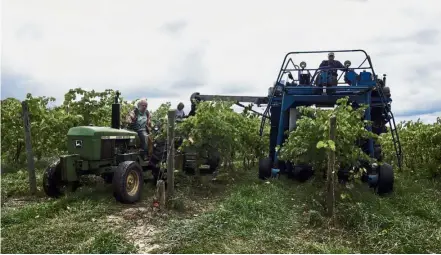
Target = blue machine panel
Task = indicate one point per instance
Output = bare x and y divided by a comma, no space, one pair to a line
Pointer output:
351,78
366,79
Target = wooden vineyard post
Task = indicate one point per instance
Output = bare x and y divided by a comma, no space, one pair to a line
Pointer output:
30,155
171,154
330,176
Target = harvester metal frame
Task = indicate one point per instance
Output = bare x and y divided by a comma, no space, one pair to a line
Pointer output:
364,88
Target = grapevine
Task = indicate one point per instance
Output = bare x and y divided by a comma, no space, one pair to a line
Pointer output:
421,145
308,143
216,126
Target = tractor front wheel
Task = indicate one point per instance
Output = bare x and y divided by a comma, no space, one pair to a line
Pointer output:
128,181
53,186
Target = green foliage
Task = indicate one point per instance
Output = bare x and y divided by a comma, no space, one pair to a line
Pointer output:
12,133
309,142
95,107
211,128
216,126
420,145
17,183
50,124
251,146
160,114
160,118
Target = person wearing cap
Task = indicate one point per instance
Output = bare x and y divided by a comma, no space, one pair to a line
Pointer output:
335,65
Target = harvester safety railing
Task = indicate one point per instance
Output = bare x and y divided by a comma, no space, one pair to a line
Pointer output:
285,70
317,52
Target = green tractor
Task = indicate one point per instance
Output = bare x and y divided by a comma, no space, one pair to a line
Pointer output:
115,155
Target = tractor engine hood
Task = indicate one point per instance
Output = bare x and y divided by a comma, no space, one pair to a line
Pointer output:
96,143
99,131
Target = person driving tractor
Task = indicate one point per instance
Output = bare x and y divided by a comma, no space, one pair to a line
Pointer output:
332,63
139,120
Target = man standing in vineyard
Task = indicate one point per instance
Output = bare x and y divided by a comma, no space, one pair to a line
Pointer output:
139,120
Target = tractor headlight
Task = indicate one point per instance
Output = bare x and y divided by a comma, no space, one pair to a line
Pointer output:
303,64
347,63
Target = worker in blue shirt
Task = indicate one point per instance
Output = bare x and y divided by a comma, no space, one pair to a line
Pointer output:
332,63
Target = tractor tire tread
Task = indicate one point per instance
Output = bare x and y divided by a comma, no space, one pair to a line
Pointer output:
50,181
119,182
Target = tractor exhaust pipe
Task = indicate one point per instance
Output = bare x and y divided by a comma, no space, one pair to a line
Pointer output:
116,112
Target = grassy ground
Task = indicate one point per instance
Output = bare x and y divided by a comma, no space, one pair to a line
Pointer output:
236,214
73,224
287,217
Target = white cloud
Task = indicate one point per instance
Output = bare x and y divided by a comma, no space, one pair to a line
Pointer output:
425,118
216,46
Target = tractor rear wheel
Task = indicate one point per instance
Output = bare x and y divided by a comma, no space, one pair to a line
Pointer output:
385,179
265,166
128,182
53,186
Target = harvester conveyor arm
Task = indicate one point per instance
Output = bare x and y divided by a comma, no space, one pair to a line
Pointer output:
237,99
243,99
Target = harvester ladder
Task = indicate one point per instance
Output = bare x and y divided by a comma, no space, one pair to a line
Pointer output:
393,128
266,113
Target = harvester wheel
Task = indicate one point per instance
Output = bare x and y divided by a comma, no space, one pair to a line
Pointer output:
53,186
265,166
385,179
128,181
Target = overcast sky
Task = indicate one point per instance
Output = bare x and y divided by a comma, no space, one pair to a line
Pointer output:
166,50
